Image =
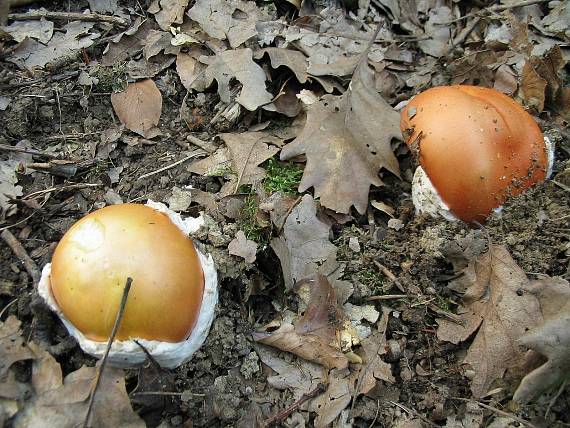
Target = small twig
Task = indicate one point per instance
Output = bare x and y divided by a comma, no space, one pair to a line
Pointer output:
8,148
71,16
168,393
321,387
61,188
555,398
293,205
388,297
462,36
448,315
107,349
22,255
497,411
204,145
494,9
390,276
561,185
414,413
167,167
376,415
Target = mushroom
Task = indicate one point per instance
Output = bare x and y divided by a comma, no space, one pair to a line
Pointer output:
174,291
475,148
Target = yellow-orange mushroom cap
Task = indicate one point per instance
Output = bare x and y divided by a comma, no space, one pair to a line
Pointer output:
94,258
476,145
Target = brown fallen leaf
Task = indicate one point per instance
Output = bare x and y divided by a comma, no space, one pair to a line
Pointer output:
304,243
168,12
438,43
126,44
235,64
62,402
234,21
12,346
550,339
139,107
374,368
294,60
494,307
243,247
347,140
314,336
334,400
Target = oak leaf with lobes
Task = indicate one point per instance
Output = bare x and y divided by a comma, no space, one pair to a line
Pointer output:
493,307
346,141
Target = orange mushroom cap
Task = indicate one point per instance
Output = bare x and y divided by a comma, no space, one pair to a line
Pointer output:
476,145
94,258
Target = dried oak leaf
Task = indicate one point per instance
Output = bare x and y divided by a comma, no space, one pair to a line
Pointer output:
304,243
334,400
551,339
294,60
128,43
243,247
493,307
139,107
234,64
347,140
314,336
438,43
168,12
232,20
59,402
12,346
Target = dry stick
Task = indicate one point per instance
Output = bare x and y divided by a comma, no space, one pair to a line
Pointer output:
167,167
462,36
8,148
388,297
72,16
109,343
240,176
22,254
321,387
390,276
497,411
496,8
556,397
205,145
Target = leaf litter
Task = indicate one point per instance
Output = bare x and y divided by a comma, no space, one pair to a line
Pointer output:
250,79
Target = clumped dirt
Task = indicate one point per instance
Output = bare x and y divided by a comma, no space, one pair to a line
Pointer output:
225,383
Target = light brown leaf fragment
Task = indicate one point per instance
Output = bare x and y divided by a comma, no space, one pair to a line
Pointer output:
374,368
235,64
438,43
62,45
494,307
41,30
139,107
242,247
294,60
532,88
334,400
347,140
168,12
551,339
247,151
12,347
126,44
233,20
304,243
58,403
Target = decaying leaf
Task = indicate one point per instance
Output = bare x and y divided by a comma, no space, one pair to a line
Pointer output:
139,107
63,402
12,347
494,307
235,64
62,45
41,30
168,12
551,339
304,243
314,336
294,60
438,43
126,44
347,140
232,20
374,368
301,376
243,247
9,188
335,399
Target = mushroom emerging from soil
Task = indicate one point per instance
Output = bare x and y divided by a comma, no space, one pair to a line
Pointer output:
475,148
171,303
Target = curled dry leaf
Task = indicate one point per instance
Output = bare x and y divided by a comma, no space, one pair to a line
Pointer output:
494,308
551,339
168,12
243,247
347,140
139,107
314,336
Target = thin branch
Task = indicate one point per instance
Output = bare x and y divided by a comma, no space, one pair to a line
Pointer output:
107,349
22,255
8,148
71,16
167,167
388,297
321,387
496,411
494,9
388,273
